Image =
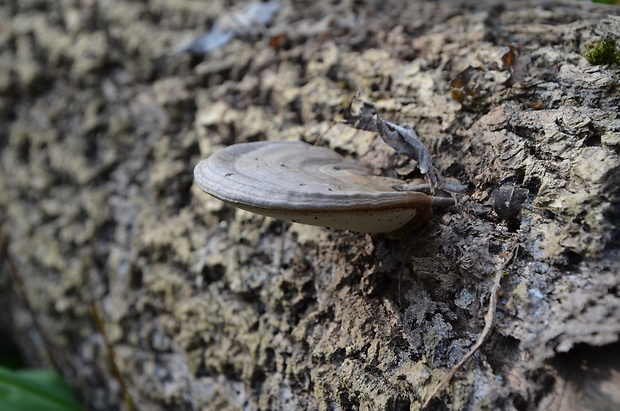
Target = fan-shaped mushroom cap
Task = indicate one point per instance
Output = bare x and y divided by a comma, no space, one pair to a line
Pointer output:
298,182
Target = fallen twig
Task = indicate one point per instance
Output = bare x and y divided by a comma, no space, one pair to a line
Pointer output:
110,350
21,290
489,320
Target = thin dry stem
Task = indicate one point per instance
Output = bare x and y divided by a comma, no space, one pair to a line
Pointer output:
110,351
489,321
19,286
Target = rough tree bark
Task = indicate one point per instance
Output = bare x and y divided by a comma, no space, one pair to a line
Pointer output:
207,307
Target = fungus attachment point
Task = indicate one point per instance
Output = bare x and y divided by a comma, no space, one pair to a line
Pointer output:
298,182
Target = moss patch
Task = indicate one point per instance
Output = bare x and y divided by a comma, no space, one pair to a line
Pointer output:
604,52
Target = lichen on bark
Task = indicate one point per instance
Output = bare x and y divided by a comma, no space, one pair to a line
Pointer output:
207,307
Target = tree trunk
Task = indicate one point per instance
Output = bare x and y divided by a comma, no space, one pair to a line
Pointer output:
207,307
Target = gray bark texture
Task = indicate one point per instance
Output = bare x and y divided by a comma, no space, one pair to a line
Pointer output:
207,307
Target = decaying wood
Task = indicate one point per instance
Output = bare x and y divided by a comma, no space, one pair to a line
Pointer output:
207,307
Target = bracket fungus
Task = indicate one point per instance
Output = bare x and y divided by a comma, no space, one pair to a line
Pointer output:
302,183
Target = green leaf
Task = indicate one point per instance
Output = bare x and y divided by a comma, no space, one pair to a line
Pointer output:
35,390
